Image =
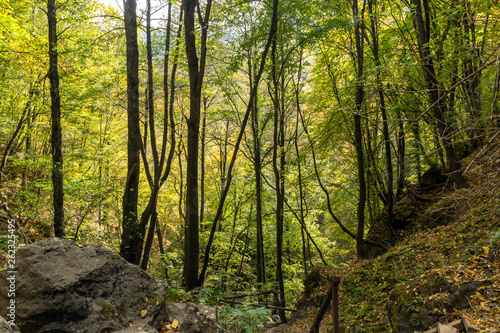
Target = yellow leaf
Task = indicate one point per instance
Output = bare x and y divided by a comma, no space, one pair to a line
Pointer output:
486,250
174,324
144,313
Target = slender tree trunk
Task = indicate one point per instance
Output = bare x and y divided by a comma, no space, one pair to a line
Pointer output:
299,167
56,137
358,132
159,235
202,174
383,109
234,238
150,213
437,101
154,179
27,152
149,240
130,235
261,264
279,177
401,155
24,118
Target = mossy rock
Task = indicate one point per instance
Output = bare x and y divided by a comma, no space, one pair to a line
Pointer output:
417,304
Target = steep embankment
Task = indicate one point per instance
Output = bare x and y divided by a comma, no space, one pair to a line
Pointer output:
446,264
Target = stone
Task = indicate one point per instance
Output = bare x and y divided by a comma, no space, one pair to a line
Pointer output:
62,287
418,304
444,329
5,327
193,318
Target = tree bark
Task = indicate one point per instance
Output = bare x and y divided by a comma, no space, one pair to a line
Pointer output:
383,110
196,72
358,131
279,160
261,264
56,137
131,237
437,101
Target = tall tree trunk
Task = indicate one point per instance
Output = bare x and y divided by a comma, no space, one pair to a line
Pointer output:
156,181
196,73
279,177
56,137
437,101
305,254
358,132
261,264
202,173
131,237
383,109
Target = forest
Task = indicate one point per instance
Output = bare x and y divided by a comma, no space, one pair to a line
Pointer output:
235,145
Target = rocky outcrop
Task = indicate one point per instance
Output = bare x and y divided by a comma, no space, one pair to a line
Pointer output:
62,287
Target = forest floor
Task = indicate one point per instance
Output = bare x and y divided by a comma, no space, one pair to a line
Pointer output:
456,235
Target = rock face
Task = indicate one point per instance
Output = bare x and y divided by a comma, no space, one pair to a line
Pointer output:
61,287
419,303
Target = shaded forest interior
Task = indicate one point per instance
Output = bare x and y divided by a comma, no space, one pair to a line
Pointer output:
237,145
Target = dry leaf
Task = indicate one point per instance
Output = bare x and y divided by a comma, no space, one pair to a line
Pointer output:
144,313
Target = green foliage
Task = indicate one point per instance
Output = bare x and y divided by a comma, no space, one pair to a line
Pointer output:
244,318
176,294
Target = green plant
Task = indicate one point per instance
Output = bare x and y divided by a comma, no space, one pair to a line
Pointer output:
243,318
176,294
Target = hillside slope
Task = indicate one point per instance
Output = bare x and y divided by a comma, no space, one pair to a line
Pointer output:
455,239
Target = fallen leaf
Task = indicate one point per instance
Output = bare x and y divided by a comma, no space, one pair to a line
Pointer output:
174,324
144,313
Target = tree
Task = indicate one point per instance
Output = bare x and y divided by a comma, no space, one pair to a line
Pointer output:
56,137
383,108
196,72
434,87
159,176
131,238
358,131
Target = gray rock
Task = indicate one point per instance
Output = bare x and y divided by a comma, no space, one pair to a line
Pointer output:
5,327
194,318
61,287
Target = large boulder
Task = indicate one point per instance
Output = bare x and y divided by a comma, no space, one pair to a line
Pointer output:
66,288
62,287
